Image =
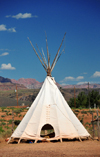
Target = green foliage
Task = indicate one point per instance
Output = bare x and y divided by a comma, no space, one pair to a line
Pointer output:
17,111
71,103
7,113
3,115
81,120
95,117
77,111
7,127
3,108
10,121
87,123
2,120
94,98
16,122
3,123
82,100
91,111
7,133
84,112
1,130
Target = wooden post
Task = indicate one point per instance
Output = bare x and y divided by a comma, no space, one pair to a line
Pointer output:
89,95
74,98
98,126
12,120
93,125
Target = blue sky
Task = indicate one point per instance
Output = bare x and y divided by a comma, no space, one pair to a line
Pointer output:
80,19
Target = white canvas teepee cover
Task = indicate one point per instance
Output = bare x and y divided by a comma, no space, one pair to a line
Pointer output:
51,108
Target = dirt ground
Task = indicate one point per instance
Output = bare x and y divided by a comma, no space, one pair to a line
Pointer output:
87,148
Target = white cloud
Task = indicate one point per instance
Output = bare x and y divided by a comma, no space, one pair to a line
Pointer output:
6,50
22,16
96,74
3,28
70,78
4,54
7,67
11,30
79,78
80,83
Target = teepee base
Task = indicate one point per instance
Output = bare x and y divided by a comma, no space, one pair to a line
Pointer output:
61,140
80,139
9,140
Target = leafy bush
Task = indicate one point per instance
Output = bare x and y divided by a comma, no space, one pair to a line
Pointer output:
7,133
81,120
1,130
95,117
10,121
7,113
2,120
17,111
84,112
76,113
87,123
3,123
16,122
3,115
91,111
76,110
7,127
3,108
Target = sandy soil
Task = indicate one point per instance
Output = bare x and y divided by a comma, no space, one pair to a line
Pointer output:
72,148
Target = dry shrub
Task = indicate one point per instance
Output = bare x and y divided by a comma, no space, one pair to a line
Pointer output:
6,134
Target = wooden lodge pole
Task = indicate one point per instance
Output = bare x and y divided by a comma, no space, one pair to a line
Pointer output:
98,126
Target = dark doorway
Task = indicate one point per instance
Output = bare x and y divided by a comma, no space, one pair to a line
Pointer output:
47,131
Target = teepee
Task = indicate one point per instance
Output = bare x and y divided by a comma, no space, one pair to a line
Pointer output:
49,111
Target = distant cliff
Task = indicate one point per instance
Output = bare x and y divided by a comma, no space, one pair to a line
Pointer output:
6,84
3,80
29,83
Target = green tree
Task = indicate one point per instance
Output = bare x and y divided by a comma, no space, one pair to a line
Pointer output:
71,102
82,100
94,98
98,103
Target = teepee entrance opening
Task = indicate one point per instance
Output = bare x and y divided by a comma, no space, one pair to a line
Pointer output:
47,131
